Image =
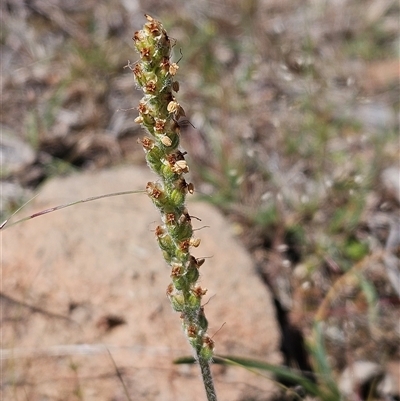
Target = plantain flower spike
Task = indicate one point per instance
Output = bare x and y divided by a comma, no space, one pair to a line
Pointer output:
159,112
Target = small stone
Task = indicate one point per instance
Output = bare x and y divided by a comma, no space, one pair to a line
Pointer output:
14,153
391,181
365,373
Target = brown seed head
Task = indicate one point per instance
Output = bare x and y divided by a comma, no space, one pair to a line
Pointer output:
153,191
170,218
147,143
145,53
159,231
150,87
152,25
160,125
184,245
143,108
176,270
199,292
191,331
170,289
171,159
138,36
208,342
137,70
165,64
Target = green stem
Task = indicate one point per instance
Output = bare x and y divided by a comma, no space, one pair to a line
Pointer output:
207,378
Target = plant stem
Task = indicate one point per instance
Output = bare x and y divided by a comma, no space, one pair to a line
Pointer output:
207,378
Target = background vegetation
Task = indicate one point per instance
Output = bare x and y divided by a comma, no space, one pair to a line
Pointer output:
292,131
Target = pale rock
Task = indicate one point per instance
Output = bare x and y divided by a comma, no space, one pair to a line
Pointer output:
68,274
391,181
14,153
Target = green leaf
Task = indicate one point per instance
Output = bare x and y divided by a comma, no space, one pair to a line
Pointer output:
281,373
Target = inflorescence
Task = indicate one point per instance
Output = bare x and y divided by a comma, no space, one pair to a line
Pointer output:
159,113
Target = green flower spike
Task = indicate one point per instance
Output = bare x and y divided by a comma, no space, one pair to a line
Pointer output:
159,113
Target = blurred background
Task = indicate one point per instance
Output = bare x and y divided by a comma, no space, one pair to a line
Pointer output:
292,114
